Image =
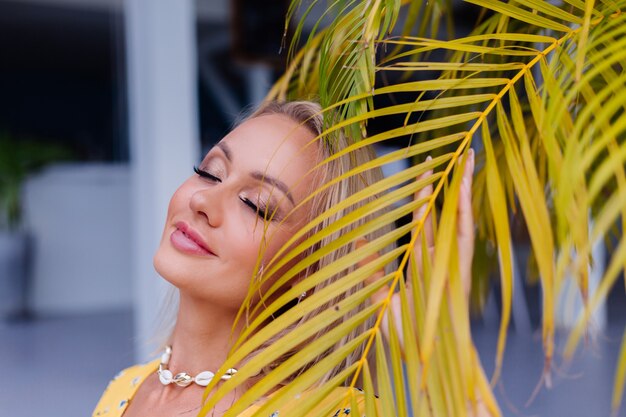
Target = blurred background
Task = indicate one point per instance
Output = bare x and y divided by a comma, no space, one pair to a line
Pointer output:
105,106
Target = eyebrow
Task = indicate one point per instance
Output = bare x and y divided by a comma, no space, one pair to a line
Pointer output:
259,176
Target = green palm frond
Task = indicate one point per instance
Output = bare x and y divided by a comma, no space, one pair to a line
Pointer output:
539,89
339,60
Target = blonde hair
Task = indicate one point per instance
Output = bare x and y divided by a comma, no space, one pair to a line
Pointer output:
309,114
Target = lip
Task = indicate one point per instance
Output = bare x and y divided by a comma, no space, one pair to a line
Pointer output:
187,240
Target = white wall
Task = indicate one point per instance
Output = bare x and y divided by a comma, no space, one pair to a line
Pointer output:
79,215
163,116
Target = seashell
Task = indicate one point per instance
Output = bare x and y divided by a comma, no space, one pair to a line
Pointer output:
204,378
229,374
165,376
183,379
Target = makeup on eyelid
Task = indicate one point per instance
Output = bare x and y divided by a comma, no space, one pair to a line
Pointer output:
261,208
261,176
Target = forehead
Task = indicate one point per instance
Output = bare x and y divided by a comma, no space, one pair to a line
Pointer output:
276,145
272,128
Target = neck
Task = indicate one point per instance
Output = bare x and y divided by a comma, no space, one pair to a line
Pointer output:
202,336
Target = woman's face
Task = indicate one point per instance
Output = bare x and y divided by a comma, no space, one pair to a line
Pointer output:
215,221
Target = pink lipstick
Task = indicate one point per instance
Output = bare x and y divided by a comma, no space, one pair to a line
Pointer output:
187,240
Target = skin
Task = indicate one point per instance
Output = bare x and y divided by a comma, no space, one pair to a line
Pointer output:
217,208
219,211
465,243
464,237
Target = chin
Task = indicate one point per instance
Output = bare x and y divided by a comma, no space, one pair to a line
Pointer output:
184,273
160,265
168,267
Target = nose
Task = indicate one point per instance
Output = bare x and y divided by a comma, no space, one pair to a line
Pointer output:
208,203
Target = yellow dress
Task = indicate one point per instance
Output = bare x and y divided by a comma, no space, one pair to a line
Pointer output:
122,388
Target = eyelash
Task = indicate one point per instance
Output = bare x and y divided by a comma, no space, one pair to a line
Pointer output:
205,174
260,211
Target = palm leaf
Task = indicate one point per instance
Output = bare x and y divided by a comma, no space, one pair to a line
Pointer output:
539,88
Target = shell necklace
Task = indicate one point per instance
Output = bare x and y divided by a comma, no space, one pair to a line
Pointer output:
183,379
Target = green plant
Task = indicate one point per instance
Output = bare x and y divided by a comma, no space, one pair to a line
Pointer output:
18,159
540,89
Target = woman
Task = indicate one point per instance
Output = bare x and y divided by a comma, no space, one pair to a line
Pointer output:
250,193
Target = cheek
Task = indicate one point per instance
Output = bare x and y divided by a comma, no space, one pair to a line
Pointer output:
278,240
178,203
284,235
243,241
248,239
180,199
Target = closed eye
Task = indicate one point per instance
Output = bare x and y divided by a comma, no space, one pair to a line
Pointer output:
206,174
259,211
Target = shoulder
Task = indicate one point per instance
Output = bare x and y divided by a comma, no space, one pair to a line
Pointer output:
122,387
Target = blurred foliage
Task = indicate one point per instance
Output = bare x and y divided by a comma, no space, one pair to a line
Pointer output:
20,158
